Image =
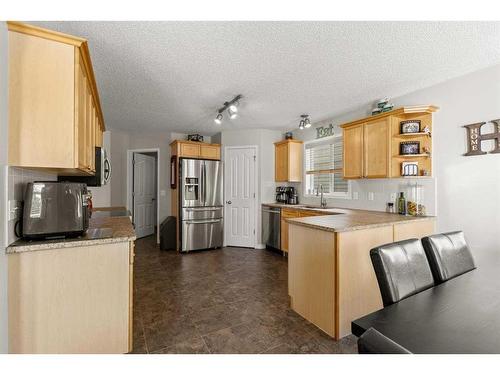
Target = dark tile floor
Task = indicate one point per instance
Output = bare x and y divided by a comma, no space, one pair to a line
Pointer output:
231,300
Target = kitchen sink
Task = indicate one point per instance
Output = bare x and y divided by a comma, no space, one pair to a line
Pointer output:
319,207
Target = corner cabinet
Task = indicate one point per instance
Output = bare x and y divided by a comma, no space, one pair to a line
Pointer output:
371,145
55,116
288,161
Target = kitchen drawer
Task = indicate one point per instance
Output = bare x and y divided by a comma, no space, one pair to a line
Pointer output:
286,212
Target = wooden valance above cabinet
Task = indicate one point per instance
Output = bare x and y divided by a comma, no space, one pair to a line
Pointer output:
55,115
372,144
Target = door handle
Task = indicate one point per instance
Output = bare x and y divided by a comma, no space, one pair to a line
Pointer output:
229,202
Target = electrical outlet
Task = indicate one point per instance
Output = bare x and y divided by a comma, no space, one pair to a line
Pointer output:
393,197
14,210
370,196
355,195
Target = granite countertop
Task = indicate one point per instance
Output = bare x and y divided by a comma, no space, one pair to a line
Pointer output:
343,220
113,228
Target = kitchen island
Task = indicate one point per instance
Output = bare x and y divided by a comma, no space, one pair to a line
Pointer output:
73,295
330,276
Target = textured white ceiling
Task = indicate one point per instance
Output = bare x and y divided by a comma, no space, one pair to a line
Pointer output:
174,75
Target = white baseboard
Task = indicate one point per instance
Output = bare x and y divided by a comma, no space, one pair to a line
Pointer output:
260,246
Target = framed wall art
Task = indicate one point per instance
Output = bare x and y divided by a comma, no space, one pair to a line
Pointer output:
409,148
409,126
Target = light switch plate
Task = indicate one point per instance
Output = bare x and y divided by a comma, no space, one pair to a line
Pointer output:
370,196
14,210
163,193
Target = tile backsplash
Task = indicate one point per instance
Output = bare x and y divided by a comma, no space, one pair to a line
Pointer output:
382,191
18,178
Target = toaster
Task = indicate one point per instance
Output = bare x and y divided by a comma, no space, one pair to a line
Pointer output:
55,209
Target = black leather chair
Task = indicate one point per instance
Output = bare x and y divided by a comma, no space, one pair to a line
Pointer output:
402,270
373,342
448,255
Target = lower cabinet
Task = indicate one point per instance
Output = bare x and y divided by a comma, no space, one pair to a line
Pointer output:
71,300
291,213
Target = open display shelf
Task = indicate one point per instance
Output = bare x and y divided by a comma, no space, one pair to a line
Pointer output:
424,159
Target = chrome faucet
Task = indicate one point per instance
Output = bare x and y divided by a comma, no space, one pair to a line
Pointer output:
322,201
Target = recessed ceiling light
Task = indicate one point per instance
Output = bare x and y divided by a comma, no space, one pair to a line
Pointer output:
218,119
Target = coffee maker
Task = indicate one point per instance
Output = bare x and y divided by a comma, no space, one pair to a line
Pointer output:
292,197
286,195
281,196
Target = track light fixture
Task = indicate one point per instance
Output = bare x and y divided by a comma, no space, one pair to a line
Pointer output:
232,114
218,119
231,107
305,122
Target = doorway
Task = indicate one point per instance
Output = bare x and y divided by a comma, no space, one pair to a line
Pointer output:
143,171
240,188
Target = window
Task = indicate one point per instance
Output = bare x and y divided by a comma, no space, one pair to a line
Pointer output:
323,166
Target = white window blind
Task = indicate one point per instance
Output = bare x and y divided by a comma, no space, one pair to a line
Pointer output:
323,166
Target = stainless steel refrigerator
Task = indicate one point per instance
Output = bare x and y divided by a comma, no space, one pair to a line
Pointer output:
201,204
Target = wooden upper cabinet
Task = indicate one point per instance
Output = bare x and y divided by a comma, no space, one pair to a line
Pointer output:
371,145
53,101
288,161
209,151
366,150
353,152
376,145
195,150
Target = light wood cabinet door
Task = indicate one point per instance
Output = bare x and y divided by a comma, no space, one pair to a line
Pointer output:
286,213
81,111
53,102
295,161
189,150
70,300
353,152
281,162
376,148
208,151
41,102
288,161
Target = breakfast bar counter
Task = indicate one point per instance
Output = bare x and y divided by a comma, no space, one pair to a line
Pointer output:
343,220
331,281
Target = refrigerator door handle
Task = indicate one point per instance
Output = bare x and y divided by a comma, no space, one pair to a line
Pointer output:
204,221
204,184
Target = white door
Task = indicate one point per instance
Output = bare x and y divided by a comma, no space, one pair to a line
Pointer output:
239,188
144,194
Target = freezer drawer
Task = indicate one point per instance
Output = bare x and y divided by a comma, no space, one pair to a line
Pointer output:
201,234
202,213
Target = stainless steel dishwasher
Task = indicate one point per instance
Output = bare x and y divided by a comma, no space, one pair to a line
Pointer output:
271,226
